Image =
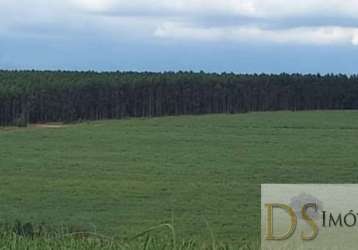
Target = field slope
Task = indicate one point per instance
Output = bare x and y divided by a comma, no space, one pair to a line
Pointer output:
121,177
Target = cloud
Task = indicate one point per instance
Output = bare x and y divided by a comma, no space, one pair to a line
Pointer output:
93,5
319,22
168,8
276,21
250,8
327,35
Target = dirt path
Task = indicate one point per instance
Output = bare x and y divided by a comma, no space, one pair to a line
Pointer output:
54,126
48,125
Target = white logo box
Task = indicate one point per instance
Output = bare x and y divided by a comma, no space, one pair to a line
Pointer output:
309,216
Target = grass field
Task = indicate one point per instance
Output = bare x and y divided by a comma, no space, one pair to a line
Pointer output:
200,173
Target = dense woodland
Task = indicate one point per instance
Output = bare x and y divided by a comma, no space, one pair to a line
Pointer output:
33,96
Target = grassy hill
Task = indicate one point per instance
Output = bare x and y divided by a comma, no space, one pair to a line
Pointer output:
200,173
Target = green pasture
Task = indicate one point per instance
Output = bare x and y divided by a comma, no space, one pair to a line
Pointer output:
200,174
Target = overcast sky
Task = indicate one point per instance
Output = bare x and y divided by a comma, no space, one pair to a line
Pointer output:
269,36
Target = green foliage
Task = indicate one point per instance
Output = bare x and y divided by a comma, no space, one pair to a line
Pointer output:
21,121
72,96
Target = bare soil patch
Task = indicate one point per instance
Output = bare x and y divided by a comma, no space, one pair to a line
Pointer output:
48,125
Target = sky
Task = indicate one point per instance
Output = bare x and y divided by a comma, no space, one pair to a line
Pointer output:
241,36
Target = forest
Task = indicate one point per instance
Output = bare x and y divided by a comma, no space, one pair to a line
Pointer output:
66,96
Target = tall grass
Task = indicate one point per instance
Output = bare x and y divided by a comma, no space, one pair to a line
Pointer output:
13,241
27,237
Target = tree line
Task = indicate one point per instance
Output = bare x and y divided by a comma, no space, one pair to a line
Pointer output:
62,96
